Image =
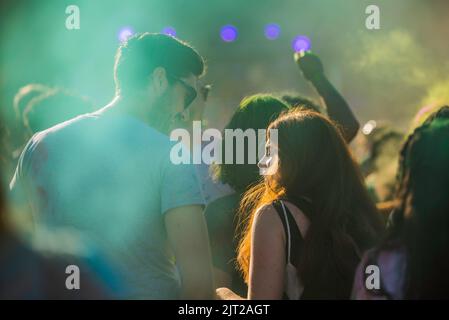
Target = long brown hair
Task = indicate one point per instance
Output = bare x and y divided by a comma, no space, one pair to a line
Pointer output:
315,163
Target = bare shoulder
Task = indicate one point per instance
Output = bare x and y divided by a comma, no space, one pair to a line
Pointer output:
268,243
267,220
266,212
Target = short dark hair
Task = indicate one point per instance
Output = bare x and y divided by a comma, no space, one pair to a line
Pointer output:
297,101
141,54
254,112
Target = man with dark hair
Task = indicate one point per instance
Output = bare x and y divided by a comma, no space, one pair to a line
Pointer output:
174,65
109,174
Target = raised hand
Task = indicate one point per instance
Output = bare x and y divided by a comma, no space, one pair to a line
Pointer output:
310,65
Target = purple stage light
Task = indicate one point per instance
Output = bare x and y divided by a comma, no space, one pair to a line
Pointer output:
228,33
169,31
301,44
272,31
125,33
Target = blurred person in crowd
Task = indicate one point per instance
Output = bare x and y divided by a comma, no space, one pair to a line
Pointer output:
38,107
441,113
308,222
24,95
109,174
19,134
413,259
53,107
380,167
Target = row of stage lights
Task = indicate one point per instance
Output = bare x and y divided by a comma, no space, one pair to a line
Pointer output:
272,31
229,33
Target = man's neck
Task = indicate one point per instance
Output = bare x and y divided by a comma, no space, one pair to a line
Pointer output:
134,108
130,107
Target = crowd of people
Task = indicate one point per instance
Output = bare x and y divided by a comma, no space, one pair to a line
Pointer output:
96,188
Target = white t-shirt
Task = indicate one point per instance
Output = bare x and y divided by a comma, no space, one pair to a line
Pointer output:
111,178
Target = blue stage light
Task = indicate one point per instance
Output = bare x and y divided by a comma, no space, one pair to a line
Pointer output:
228,33
301,44
272,31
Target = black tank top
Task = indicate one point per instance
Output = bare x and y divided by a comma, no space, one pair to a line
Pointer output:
291,228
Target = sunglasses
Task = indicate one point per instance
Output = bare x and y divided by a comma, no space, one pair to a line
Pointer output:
191,92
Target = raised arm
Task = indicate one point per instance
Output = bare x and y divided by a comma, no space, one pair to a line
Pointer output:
337,108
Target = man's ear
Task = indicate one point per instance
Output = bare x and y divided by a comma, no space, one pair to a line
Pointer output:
159,81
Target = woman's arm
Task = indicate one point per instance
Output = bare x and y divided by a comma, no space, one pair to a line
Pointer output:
268,259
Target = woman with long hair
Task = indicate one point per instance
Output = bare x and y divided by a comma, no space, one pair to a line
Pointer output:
254,113
306,225
413,259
